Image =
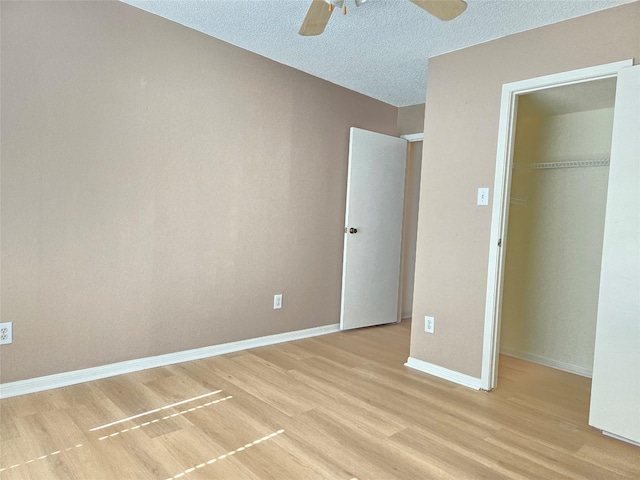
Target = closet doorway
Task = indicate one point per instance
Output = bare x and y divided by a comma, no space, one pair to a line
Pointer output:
553,247
550,197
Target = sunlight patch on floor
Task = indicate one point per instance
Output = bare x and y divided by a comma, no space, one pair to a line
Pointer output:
42,457
193,409
227,455
155,410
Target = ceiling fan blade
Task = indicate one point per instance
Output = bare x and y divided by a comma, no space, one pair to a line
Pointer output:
443,9
317,18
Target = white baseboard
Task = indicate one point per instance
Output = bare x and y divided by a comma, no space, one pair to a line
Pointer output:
547,362
48,382
444,373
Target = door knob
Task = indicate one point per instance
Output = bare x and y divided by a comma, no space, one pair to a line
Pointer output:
353,230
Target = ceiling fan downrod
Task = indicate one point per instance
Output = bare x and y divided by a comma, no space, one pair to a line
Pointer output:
344,7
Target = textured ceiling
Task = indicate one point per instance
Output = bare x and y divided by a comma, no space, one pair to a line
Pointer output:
379,49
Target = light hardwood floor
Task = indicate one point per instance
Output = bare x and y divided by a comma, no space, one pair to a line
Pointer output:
341,406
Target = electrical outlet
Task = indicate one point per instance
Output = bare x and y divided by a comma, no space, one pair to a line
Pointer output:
429,324
6,333
277,301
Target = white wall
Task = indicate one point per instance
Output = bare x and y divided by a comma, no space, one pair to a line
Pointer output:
554,241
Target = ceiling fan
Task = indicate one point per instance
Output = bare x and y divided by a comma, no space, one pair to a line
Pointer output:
320,11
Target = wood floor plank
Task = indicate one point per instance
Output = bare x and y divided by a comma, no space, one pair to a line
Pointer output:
612,455
342,406
353,410
447,459
564,464
364,456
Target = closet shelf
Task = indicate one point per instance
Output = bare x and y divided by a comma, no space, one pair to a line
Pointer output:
601,162
519,201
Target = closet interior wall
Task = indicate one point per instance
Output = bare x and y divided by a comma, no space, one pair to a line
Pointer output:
555,235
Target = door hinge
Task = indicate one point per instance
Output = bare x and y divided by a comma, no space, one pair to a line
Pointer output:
499,242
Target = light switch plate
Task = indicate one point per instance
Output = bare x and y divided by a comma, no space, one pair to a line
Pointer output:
483,196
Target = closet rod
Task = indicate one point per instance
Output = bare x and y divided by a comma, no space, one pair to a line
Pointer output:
604,162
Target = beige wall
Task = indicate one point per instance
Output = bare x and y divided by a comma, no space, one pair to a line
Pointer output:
410,226
159,186
461,123
411,119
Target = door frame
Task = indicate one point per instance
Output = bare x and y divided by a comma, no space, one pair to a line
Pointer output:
413,137
500,208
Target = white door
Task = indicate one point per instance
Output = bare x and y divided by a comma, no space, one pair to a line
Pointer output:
615,389
373,230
